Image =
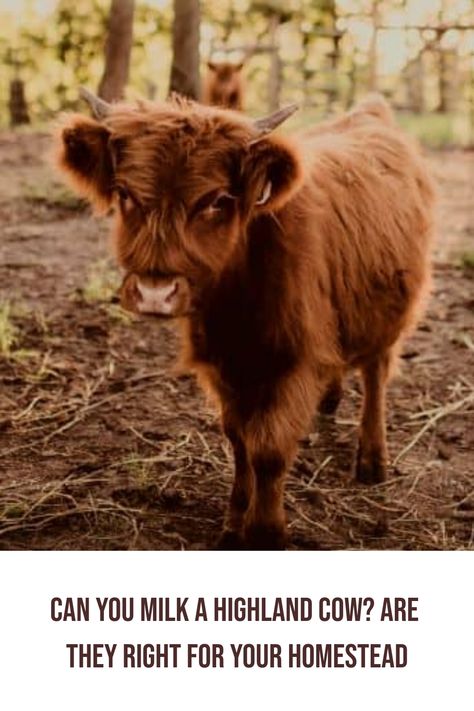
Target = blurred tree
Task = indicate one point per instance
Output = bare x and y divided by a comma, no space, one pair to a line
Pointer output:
334,54
149,69
17,104
373,54
317,52
443,70
275,77
18,57
414,79
117,50
277,12
77,35
184,78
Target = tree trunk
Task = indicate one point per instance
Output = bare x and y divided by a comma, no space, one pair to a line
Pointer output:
117,50
334,56
415,84
373,57
184,78
306,73
442,68
276,70
17,104
443,80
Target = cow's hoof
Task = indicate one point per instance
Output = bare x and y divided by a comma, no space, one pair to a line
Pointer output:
370,468
265,538
230,541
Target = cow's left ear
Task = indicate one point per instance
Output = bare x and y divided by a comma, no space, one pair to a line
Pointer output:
84,155
273,172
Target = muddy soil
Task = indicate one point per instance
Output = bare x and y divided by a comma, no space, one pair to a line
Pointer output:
104,446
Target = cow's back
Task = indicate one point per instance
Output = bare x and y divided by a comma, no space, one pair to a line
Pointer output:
369,201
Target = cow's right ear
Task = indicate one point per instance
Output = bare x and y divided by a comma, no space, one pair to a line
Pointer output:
85,157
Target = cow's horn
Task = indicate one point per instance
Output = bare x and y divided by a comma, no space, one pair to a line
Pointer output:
100,108
269,123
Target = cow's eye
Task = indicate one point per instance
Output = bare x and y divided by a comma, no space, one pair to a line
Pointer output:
221,203
125,199
123,193
217,204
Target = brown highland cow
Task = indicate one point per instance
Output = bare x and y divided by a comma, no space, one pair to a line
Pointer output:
291,260
223,85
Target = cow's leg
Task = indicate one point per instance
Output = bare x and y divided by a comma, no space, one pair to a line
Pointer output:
242,491
266,529
371,464
267,443
332,396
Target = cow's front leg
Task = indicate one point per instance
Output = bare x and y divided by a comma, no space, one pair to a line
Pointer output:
264,450
265,524
241,496
332,396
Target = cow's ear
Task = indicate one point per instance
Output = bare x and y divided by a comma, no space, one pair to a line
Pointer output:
85,157
273,172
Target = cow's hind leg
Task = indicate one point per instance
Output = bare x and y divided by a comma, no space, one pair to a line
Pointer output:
371,463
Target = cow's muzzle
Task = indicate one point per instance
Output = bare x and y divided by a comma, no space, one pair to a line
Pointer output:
157,296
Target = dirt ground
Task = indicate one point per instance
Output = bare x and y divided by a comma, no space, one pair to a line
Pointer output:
102,446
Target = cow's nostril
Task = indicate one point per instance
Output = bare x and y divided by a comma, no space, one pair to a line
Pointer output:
173,292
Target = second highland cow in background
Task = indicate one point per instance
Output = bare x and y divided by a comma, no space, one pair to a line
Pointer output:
224,85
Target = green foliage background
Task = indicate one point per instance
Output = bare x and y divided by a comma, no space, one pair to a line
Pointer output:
56,45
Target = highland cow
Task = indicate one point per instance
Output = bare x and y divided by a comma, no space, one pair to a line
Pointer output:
223,85
291,261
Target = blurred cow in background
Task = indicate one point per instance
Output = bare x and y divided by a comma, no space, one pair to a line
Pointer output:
224,85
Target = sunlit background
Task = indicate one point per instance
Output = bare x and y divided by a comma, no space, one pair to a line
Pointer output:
420,53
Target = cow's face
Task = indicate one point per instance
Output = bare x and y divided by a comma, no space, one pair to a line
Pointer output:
184,180
225,84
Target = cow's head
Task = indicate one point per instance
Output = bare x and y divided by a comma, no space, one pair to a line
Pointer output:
184,181
224,84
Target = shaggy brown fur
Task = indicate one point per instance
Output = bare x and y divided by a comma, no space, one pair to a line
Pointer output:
305,257
223,85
